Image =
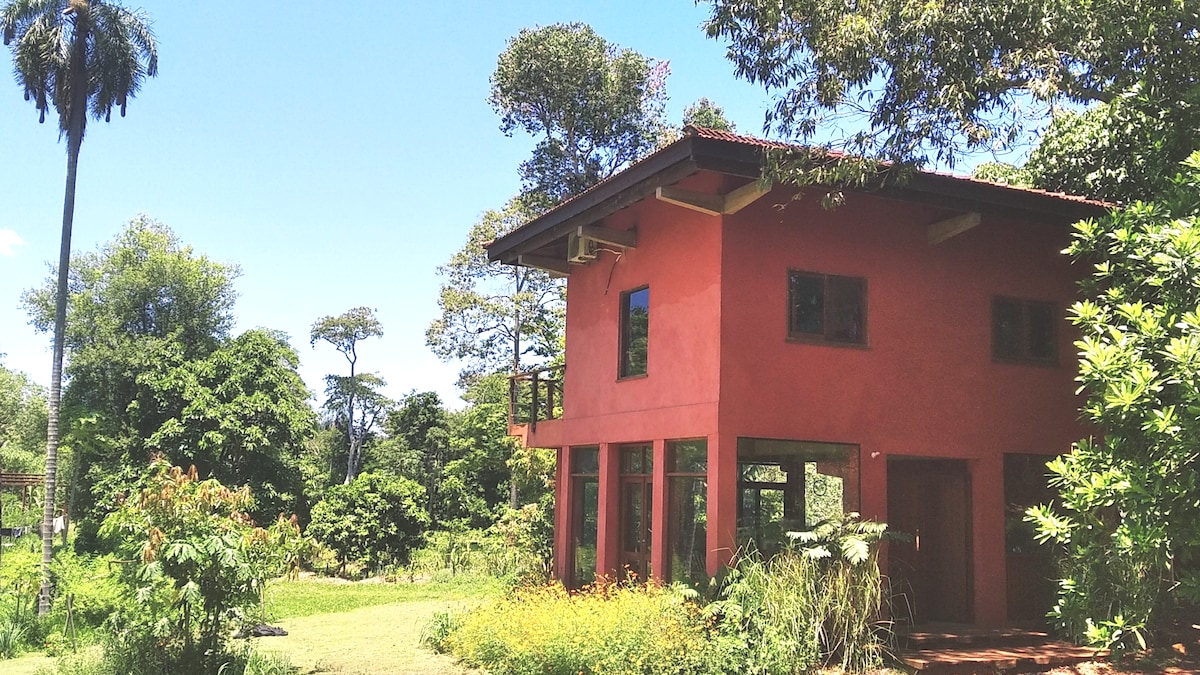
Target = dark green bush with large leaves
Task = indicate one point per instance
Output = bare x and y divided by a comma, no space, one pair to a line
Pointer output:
188,548
374,521
1128,512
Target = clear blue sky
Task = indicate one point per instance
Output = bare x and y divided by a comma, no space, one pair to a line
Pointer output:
338,152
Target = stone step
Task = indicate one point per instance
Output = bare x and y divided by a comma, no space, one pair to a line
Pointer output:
980,660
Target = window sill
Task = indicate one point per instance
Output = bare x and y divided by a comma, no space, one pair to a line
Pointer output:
1011,361
803,340
640,376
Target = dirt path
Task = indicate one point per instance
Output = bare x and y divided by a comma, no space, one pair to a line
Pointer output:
375,640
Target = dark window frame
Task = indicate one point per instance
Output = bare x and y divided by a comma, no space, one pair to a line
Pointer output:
1025,351
677,478
625,366
828,309
580,477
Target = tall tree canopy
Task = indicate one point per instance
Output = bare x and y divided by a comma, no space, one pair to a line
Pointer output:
914,80
359,390
593,106
496,317
74,56
153,369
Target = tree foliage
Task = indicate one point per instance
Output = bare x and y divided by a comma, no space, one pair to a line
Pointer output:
496,317
1129,511
22,422
191,550
344,332
375,520
913,81
153,370
593,106
705,113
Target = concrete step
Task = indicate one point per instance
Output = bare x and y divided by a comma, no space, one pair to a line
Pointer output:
938,636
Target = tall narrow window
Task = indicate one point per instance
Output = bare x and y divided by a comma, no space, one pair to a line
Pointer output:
687,516
637,467
827,308
1023,330
585,510
635,331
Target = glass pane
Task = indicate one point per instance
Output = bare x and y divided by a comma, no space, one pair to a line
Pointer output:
637,460
688,519
1006,329
688,456
806,298
1041,330
635,331
787,486
586,511
845,315
632,517
585,461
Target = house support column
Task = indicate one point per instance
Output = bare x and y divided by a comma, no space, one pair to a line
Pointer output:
722,501
608,535
988,541
660,559
564,500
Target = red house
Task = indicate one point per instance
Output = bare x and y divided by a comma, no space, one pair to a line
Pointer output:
736,368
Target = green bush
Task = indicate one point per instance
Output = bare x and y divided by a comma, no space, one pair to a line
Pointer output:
187,548
818,603
608,628
376,520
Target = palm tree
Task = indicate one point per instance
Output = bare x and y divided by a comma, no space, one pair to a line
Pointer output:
73,55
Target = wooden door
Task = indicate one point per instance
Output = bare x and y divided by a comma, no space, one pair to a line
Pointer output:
931,501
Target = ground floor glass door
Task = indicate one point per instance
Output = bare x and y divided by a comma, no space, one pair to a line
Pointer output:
636,501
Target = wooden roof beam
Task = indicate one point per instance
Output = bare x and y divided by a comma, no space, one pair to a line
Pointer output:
713,205
557,268
951,227
607,235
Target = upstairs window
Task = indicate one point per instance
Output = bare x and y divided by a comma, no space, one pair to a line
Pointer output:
635,331
1023,331
827,308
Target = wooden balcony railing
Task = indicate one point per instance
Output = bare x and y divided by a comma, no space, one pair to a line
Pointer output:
535,396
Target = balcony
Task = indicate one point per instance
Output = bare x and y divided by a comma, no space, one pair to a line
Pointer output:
535,396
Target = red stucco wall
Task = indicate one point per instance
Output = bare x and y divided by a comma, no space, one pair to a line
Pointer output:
720,366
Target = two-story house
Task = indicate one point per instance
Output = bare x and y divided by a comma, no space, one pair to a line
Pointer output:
740,364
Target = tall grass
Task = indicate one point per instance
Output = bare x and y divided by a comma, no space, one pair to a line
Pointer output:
818,603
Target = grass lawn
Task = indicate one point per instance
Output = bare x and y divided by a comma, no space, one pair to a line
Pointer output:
365,628
26,665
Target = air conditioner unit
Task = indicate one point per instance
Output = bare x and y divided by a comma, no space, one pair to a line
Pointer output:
580,249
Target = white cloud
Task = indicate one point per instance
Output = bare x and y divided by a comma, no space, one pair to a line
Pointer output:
8,242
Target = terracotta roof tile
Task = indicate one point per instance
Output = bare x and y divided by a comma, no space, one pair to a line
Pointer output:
704,132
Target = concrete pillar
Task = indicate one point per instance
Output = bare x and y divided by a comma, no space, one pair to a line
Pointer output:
722,500
659,554
988,541
608,536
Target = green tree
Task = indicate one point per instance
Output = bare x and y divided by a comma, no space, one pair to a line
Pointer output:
1128,515
705,113
419,430
344,332
240,416
911,81
496,317
141,303
22,422
190,553
374,520
73,55
594,107
356,407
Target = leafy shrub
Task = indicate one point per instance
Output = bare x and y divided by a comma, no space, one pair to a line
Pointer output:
188,544
607,628
817,603
375,521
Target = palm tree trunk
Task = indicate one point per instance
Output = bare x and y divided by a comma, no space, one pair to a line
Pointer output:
77,119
